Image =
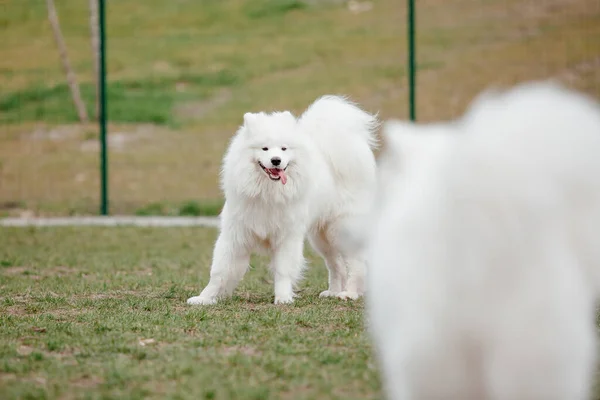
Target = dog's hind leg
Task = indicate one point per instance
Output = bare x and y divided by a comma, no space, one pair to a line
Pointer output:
333,261
355,286
337,275
287,265
345,263
230,263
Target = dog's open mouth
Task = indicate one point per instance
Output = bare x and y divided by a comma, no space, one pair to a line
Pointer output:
275,174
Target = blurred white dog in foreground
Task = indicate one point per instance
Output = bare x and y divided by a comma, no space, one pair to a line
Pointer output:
484,257
285,178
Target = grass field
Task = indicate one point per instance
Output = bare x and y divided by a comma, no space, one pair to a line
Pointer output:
101,313
182,73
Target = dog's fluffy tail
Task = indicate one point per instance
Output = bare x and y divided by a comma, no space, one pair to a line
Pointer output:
331,120
345,136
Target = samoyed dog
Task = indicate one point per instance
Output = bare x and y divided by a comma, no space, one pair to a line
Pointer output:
286,179
484,254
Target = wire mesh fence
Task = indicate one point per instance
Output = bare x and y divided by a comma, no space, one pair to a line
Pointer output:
182,73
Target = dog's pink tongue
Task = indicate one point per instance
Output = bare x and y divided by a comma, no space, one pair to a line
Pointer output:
282,176
280,173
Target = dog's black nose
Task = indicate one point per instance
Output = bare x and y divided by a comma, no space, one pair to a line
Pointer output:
275,161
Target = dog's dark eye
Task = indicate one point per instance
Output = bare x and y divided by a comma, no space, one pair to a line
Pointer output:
283,148
265,148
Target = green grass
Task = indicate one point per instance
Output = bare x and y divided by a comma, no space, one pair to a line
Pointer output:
101,313
182,73
149,100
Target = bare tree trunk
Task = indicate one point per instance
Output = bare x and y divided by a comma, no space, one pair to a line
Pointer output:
62,49
95,50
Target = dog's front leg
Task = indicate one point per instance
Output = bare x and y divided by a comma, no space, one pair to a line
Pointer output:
287,265
230,263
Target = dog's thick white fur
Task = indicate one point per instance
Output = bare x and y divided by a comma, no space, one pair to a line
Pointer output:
286,178
484,257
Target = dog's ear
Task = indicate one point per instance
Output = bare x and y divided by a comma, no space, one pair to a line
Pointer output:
408,140
287,116
407,144
252,121
399,138
249,119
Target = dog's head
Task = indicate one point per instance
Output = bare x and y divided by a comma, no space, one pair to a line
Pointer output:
273,142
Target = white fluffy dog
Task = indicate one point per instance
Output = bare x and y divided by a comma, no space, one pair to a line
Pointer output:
484,260
285,178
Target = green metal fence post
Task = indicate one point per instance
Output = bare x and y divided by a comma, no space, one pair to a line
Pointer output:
411,61
102,112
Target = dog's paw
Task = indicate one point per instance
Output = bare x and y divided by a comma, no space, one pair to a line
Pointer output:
200,300
348,295
285,299
328,293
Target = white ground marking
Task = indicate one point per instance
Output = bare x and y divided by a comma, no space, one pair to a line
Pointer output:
122,220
